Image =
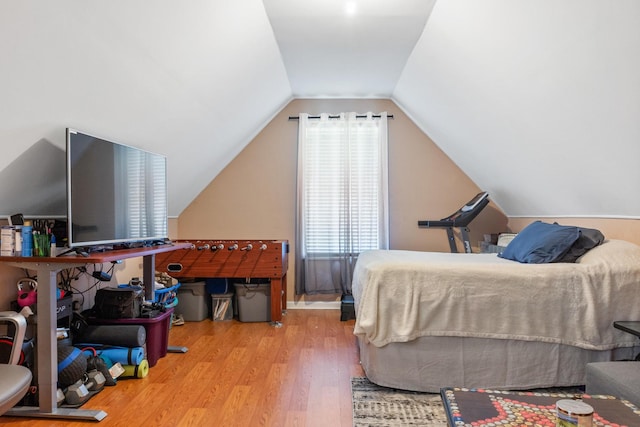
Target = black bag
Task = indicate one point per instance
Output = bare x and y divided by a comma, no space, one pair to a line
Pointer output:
118,303
95,362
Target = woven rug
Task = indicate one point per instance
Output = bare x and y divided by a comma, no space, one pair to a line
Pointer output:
374,405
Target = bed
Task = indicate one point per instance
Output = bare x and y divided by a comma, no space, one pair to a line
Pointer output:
427,320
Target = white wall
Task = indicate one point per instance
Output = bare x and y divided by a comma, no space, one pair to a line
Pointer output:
193,80
536,100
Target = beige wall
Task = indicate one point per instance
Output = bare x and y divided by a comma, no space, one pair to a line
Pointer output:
622,229
254,196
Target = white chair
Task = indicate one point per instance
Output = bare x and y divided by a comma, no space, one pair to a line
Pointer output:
14,379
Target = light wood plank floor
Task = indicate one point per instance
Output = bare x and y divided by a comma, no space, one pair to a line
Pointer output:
239,374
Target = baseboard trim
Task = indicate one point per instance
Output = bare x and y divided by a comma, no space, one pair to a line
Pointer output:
313,305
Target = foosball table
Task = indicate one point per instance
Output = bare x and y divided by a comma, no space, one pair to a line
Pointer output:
233,259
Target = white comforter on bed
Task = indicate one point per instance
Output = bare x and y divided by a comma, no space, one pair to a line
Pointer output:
403,295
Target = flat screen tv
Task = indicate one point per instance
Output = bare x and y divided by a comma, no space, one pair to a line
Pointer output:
116,194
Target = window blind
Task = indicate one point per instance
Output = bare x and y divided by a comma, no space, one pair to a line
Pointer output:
341,187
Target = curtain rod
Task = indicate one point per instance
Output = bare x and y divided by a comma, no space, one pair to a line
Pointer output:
336,116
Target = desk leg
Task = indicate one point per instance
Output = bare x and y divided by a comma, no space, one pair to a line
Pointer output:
47,357
149,276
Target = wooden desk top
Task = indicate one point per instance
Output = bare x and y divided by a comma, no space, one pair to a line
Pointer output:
96,257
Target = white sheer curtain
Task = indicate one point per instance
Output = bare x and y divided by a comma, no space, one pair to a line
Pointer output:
342,198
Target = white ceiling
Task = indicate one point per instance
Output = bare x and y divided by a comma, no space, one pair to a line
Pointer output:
536,100
346,48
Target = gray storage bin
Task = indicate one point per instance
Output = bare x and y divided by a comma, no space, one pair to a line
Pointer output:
253,302
192,302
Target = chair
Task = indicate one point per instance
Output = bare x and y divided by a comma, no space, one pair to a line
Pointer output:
14,379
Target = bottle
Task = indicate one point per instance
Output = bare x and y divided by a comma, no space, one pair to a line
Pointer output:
27,239
18,241
52,240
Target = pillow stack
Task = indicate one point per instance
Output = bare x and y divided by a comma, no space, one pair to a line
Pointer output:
541,242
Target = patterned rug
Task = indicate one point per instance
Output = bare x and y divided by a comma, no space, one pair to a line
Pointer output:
380,406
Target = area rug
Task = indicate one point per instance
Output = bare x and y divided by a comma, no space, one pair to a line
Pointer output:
378,406
481,408
374,405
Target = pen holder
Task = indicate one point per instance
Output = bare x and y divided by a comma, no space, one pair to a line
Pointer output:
41,245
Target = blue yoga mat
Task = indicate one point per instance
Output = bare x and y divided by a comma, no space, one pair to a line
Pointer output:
124,355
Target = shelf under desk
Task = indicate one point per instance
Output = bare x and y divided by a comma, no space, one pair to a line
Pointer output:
47,270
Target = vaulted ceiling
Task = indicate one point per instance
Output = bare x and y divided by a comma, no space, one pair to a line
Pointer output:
538,101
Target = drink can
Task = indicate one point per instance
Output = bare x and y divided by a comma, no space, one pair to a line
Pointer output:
573,413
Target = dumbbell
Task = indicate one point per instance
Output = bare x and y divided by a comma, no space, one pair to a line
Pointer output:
95,380
77,393
59,396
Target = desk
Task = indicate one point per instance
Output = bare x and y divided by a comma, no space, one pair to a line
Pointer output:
47,352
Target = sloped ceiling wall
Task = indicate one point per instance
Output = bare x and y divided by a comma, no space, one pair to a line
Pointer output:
192,80
537,101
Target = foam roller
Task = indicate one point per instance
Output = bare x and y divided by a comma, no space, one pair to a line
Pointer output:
136,371
125,356
120,335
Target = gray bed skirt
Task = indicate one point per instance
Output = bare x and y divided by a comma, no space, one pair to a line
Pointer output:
430,363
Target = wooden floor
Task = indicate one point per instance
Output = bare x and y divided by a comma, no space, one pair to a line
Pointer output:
239,374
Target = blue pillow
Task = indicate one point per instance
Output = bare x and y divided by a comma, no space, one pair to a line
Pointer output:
540,242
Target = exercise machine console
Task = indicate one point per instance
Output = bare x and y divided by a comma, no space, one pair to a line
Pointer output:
460,219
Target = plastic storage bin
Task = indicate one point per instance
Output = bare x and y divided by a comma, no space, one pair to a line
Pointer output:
156,328
253,302
166,296
192,302
222,306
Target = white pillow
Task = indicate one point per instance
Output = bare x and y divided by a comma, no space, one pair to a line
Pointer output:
505,238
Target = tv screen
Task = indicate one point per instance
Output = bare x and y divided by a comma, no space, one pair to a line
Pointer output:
115,193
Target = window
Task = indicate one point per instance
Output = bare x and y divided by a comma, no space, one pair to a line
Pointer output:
342,186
